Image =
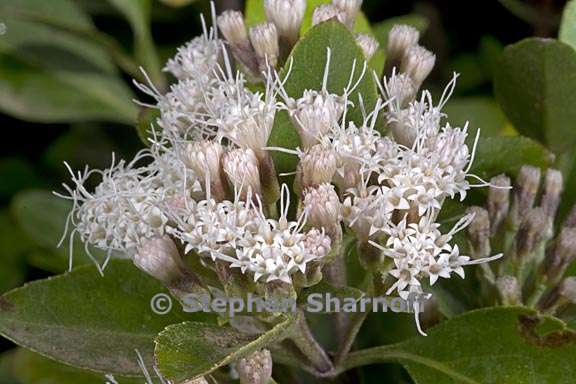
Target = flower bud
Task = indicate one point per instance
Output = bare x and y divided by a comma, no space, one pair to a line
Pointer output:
324,208
241,167
327,12
498,201
401,88
350,9
417,63
159,257
264,38
314,113
561,296
367,44
479,233
553,186
256,368
287,15
509,289
400,38
531,232
560,255
233,28
402,128
231,23
316,166
527,185
204,158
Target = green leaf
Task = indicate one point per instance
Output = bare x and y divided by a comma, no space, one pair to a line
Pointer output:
12,254
480,112
89,321
31,368
492,345
17,174
189,350
54,49
7,368
382,28
42,217
567,31
309,61
497,155
65,13
536,87
47,96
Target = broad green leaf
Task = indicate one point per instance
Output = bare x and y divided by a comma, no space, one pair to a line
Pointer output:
14,245
497,155
33,94
487,346
31,368
256,14
137,12
567,32
309,62
53,49
188,350
7,368
480,112
64,13
382,28
536,87
89,321
42,217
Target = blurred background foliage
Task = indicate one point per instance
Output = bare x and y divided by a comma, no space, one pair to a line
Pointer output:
66,94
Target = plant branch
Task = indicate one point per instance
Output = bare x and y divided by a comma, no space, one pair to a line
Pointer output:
308,345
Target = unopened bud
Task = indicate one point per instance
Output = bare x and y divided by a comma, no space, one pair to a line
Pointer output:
417,63
314,114
159,257
402,127
401,88
204,158
287,15
531,232
316,166
256,368
323,207
400,38
350,8
509,290
560,255
527,185
479,233
264,38
231,23
498,201
327,12
241,167
559,297
367,44
553,186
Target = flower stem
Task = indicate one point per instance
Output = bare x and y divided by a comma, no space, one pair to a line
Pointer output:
308,345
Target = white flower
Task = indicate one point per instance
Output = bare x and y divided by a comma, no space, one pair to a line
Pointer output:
287,15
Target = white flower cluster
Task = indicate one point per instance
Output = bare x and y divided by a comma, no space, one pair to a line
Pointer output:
210,182
200,182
